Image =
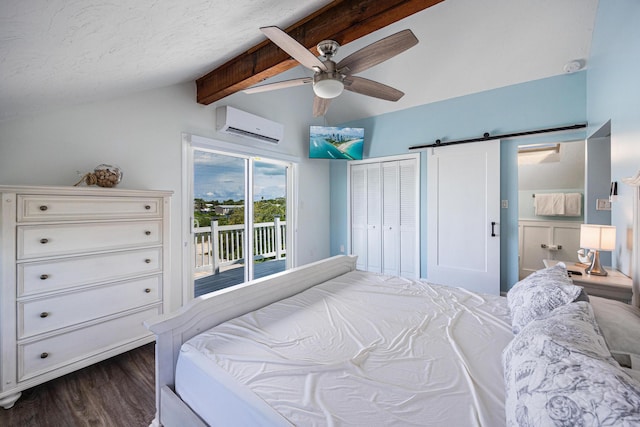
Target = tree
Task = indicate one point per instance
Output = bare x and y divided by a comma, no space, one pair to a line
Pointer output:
264,211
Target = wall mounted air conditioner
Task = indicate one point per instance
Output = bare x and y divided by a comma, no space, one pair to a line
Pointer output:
237,122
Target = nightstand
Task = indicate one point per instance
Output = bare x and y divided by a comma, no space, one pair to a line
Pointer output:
614,285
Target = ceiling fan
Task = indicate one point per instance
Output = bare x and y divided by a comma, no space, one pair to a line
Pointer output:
330,78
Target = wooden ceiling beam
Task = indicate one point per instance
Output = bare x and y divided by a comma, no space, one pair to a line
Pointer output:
343,21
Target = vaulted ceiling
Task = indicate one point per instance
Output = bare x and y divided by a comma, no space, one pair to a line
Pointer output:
56,53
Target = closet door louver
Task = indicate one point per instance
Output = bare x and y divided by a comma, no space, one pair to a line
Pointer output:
374,243
408,219
359,215
390,218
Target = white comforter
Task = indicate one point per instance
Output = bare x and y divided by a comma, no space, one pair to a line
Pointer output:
361,349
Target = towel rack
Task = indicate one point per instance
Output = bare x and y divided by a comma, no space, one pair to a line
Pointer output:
551,247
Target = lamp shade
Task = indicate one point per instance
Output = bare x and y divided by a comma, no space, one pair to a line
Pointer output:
598,237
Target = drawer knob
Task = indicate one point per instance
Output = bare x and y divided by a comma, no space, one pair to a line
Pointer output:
148,261
44,355
147,207
43,241
44,314
147,291
44,276
43,208
148,233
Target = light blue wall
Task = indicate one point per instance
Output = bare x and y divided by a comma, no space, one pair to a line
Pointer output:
598,181
613,93
551,102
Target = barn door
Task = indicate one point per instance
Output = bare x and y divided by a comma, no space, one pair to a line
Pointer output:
463,211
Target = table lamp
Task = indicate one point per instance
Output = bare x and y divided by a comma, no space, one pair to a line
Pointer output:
597,238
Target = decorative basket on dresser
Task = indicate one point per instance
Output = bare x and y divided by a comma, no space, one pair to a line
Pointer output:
81,268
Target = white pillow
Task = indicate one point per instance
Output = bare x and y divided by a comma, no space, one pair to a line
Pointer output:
539,294
620,325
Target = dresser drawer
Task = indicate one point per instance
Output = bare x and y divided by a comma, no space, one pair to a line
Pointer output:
45,276
54,312
45,355
35,241
59,208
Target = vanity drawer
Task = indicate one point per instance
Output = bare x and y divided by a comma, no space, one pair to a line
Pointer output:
45,276
60,208
42,315
38,357
35,241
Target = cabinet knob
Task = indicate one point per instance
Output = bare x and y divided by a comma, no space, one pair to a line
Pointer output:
147,291
44,276
44,314
43,241
148,233
148,261
147,207
43,208
44,355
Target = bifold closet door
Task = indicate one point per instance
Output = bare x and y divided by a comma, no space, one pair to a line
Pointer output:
399,198
384,232
365,216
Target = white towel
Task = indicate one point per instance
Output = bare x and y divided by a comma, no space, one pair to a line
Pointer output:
549,204
573,204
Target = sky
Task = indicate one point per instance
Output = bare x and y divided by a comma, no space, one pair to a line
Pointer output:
220,177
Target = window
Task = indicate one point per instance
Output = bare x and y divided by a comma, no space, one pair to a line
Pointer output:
241,217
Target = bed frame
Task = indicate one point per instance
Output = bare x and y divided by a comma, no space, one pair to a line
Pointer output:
209,310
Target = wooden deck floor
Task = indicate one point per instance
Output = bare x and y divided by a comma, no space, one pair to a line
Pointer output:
231,277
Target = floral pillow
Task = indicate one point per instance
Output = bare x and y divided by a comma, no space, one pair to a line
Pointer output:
559,372
539,294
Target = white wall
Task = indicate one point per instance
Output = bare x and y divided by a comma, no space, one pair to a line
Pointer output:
567,172
141,133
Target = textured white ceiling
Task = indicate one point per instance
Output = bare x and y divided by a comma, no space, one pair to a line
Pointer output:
64,52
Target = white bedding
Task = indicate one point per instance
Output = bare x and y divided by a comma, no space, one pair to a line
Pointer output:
361,349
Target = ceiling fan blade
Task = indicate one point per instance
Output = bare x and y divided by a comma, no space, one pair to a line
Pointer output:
298,52
370,88
377,52
279,85
320,106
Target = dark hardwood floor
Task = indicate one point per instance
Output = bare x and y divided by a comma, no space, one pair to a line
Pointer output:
119,391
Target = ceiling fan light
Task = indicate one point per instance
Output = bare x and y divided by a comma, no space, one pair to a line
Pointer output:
328,89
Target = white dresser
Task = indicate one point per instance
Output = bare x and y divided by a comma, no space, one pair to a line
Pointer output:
81,268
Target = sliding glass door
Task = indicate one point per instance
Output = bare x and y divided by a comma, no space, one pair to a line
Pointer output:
269,217
239,218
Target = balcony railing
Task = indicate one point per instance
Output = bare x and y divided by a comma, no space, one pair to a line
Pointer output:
223,245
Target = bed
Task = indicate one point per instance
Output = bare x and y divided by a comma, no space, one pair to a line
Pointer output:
325,344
